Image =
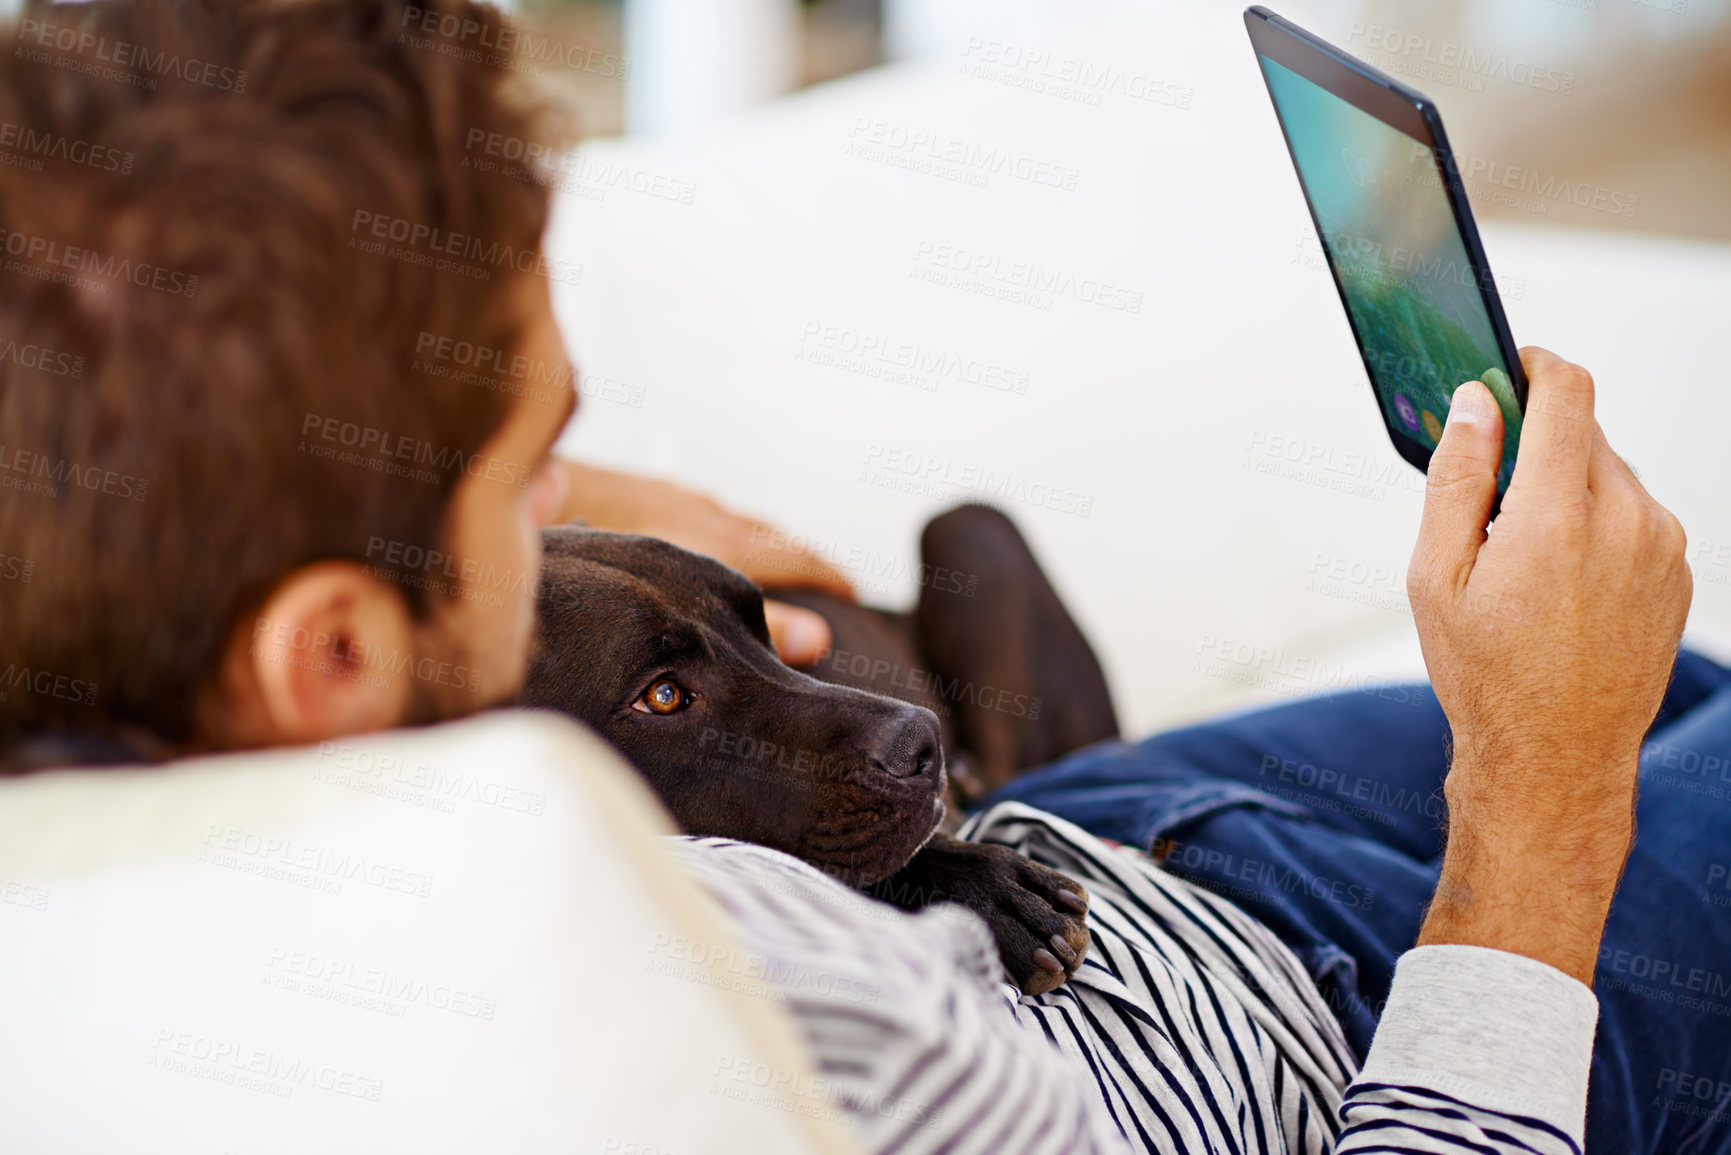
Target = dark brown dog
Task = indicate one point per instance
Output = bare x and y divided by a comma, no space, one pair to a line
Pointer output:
666,654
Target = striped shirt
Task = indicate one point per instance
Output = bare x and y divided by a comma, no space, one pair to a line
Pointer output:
1189,1027
906,1015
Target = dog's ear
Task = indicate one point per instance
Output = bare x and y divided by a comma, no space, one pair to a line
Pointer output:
662,564
746,600
576,626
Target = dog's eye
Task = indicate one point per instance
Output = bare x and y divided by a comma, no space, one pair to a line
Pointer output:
664,696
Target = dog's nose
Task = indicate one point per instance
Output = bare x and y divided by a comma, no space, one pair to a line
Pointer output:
912,749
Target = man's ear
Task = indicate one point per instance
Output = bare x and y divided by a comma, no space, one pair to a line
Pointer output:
326,656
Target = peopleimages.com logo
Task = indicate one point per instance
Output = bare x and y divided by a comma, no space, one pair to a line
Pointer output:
50,259
135,64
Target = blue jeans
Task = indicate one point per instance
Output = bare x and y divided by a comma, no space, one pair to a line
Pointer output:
1324,818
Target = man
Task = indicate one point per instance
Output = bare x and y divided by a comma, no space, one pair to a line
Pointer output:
222,502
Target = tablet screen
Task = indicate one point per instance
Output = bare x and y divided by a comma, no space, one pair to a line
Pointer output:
1410,289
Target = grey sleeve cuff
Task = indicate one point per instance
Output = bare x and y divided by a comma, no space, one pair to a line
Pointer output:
1498,1030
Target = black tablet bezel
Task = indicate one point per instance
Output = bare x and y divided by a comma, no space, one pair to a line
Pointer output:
1406,110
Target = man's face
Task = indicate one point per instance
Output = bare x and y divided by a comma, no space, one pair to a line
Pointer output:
495,525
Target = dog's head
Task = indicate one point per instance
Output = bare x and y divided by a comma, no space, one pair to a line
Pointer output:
666,654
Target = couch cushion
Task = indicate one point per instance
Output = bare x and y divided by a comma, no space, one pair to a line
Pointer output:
462,938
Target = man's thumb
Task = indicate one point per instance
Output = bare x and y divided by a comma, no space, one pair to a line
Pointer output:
1462,485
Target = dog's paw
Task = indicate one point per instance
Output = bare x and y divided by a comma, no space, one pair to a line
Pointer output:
1035,913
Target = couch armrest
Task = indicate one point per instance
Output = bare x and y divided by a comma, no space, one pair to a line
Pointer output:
462,938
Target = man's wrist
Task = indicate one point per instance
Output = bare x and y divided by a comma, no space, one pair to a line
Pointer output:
1552,805
1528,915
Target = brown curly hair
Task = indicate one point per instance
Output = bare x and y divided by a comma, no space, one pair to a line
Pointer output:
223,222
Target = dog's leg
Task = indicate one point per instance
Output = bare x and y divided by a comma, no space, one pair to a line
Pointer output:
1036,913
1021,683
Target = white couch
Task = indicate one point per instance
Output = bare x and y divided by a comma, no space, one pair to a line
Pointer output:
460,939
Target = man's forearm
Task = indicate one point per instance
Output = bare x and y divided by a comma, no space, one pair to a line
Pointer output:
1549,638
1534,888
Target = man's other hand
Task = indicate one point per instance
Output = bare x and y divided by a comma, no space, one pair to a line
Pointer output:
1549,641
628,503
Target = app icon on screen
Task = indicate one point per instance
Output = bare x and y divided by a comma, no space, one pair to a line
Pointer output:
1432,426
1407,413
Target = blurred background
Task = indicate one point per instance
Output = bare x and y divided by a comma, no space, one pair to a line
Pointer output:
1651,106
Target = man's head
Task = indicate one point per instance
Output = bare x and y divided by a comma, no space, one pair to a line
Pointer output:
278,371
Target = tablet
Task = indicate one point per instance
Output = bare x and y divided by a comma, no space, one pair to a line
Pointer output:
1387,201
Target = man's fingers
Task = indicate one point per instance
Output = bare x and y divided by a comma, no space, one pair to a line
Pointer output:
772,565
800,635
1558,431
1461,486
1606,470
1612,480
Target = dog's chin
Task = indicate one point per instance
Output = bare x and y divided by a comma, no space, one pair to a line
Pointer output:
938,811
893,845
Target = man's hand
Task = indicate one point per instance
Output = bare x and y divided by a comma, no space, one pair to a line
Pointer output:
1549,642
627,503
